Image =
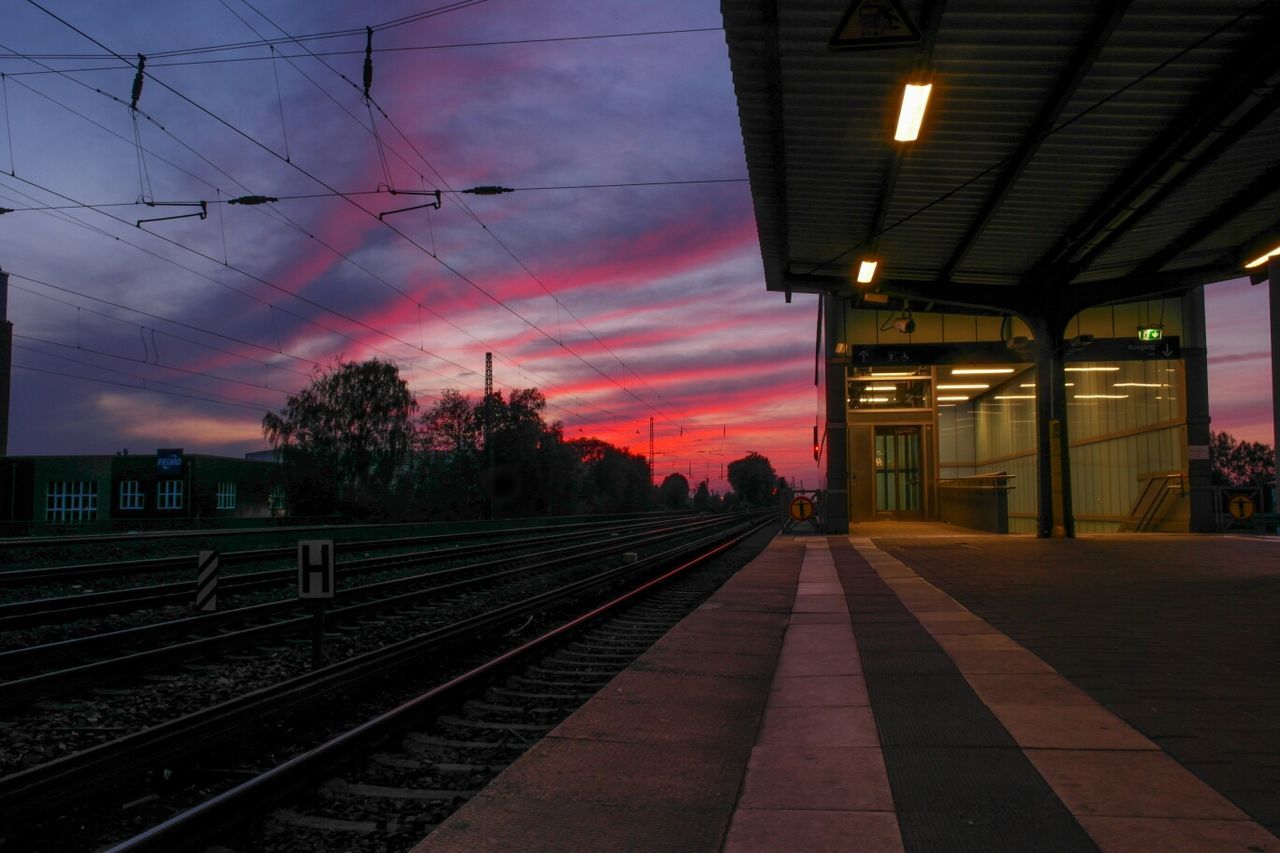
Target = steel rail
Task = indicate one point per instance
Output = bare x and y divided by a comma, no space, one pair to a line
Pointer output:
55,574
60,681
39,611
55,784
16,542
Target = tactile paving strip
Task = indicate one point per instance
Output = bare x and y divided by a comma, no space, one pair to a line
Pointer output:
959,782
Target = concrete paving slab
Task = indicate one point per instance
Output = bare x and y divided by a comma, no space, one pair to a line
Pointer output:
809,831
826,778
818,726
1068,727
1129,783
1126,834
1046,688
818,691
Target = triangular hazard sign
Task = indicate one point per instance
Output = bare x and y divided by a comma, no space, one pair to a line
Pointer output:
874,23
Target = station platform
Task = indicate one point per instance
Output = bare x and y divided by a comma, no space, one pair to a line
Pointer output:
926,688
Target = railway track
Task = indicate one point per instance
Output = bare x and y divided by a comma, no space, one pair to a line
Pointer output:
75,606
384,784
60,574
58,783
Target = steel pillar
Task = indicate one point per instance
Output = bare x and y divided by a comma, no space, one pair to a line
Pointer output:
835,507
1195,362
1053,448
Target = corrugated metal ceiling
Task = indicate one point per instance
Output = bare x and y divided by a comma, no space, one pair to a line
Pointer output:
1129,146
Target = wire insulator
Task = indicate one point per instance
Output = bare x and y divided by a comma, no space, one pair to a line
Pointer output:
368,61
252,199
137,83
488,190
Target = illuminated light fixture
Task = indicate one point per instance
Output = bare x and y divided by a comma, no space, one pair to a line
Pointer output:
1027,385
881,388
914,99
946,405
1101,396
886,375
867,271
1014,397
873,399
1139,385
943,399
1090,369
978,371
973,387
1256,262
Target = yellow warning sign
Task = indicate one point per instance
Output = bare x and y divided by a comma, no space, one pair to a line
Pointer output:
1240,507
874,23
801,508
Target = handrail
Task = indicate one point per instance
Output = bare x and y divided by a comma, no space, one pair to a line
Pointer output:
996,481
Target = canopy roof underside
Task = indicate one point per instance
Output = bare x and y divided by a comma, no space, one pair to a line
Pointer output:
1072,153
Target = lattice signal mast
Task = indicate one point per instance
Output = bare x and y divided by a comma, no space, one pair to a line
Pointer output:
651,478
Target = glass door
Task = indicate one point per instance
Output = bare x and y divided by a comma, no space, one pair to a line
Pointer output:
897,460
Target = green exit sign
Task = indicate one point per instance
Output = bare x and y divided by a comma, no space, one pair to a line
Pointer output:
1153,333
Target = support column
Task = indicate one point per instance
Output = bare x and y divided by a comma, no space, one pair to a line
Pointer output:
1273,287
1053,449
836,506
6,362
1195,364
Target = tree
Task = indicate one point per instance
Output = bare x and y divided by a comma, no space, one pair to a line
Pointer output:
753,478
1240,463
702,499
448,463
344,440
674,491
612,480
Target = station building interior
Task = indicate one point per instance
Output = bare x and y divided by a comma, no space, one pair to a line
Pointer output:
936,440
1003,190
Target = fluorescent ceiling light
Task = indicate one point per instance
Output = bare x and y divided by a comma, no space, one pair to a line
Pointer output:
1101,396
881,388
952,398
873,399
975,371
1139,385
972,387
866,271
914,99
1027,385
1090,369
1014,397
1256,262
888,374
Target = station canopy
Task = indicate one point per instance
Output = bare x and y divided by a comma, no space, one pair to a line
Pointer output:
1071,154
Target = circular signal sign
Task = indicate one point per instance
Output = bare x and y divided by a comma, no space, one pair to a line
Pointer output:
1241,507
801,508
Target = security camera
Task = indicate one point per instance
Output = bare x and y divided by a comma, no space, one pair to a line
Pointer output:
906,325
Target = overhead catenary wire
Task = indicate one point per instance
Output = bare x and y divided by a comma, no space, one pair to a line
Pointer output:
532,325
264,42
273,307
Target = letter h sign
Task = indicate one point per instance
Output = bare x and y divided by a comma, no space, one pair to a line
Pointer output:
315,568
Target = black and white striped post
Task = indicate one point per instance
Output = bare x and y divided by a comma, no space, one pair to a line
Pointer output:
207,582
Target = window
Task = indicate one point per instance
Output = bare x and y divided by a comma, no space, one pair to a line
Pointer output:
169,494
275,500
131,494
72,500
226,496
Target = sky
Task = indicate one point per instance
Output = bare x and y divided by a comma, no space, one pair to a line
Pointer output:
622,303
